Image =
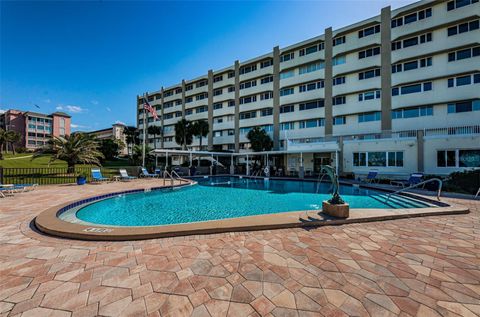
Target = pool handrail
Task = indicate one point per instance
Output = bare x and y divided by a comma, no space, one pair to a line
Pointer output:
440,184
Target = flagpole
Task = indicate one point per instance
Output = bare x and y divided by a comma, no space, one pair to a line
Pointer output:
144,131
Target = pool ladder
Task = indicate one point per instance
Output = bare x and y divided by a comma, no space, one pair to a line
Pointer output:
171,175
439,191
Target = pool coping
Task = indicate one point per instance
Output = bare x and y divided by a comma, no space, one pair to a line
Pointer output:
49,223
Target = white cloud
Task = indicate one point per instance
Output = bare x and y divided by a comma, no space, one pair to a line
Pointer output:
108,109
79,126
47,100
94,102
2,111
70,108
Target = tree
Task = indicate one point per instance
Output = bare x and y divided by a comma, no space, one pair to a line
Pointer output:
13,138
200,129
131,137
78,148
3,140
259,139
109,148
183,133
137,153
155,130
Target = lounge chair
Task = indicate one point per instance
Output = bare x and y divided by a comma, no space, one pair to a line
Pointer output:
97,176
5,191
145,173
124,175
371,177
158,172
415,178
18,187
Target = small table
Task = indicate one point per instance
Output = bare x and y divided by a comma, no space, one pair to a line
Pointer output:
117,178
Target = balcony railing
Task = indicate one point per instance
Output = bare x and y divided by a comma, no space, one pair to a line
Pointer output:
473,129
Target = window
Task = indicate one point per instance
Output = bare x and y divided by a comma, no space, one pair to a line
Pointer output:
287,108
339,120
339,100
245,130
464,106
266,80
231,103
311,86
248,99
266,63
287,74
266,112
248,115
313,123
217,133
217,92
360,159
178,114
427,37
369,116
369,31
248,84
339,60
201,96
248,69
412,17
339,80
463,27
311,105
287,57
369,52
178,90
201,83
464,80
311,68
455,4
287,126
266,95
411,89
201,109
231,74
377,158
217,106
463,54
178,102
231,89
168,93
369,74
311,49
369,95
188,99
458,158
338,40
218,78
413,112
286,91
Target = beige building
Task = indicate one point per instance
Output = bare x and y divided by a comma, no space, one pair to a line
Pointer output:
116,132
398,93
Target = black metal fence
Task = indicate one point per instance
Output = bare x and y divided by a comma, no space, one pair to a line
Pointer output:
50,176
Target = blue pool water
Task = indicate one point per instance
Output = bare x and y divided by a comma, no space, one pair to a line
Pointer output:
228,197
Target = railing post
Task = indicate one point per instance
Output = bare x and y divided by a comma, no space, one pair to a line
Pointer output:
1,175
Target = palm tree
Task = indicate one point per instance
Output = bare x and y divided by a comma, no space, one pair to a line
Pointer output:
155,130
183,133
3,140
13,138
131,137
259,139
74,149
200,129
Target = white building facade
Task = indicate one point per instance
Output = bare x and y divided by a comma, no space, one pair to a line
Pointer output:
398,93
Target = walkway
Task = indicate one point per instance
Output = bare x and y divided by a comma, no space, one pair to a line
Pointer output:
413,267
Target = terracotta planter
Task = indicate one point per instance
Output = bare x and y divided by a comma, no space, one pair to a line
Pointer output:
339,211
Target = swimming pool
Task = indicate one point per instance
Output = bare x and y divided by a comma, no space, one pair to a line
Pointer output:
216,198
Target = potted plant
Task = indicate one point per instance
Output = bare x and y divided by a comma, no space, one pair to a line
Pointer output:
81,179
335,206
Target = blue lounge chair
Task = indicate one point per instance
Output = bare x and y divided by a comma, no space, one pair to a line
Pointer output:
414,178
158,172
124,175
97,176
371,177
145,173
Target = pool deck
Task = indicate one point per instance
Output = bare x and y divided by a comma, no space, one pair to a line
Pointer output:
428,266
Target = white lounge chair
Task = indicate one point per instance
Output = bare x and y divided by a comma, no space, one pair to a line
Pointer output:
124,175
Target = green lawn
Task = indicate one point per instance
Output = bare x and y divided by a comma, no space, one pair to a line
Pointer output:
24,160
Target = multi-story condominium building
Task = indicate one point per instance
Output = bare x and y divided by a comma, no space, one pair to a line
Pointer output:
399,93
116,132
36,128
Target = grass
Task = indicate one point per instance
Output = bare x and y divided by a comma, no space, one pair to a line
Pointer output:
24,160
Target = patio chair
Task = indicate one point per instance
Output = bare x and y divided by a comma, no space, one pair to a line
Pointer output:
145,173
371,177
158,172
5,191
415,178
97,176
124,175
17,187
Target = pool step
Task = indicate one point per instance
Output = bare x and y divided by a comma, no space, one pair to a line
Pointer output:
398,201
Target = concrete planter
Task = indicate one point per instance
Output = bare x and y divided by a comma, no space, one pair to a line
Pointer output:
339,211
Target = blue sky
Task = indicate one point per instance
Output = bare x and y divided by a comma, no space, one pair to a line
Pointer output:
91,59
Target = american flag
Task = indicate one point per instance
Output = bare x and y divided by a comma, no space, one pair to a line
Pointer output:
150,109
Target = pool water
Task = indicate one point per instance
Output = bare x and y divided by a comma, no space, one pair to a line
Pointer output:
229,197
